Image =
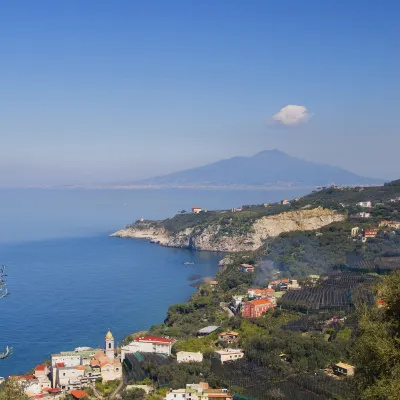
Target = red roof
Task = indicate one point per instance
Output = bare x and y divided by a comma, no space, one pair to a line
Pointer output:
260,302
78,394
153,339
52,390
41,367
60,365
196,207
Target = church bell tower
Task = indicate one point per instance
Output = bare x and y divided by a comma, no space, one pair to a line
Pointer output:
109,339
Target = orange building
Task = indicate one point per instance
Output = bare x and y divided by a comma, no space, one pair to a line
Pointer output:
256,308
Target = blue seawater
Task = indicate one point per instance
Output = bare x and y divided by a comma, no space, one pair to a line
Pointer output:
70,282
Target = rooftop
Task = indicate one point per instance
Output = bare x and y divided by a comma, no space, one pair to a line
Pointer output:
344,365
260,302
79,394
41,367
154,339
229,351
229,333
209,329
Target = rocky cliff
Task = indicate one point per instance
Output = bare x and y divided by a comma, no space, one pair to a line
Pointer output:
212,238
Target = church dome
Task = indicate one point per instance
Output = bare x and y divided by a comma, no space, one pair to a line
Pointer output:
109,335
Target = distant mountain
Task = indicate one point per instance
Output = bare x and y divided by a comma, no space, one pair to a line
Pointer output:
267,168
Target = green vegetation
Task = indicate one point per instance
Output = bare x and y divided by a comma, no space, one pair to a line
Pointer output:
106,388
11,390
376,350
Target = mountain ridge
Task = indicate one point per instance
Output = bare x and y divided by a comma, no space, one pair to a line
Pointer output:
265,168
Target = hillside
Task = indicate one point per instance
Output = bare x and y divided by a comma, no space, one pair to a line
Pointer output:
267,168
248,229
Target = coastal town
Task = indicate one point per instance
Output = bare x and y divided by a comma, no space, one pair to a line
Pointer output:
223,323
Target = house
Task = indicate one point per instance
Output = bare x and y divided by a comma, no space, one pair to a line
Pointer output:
247,268
41,373
343,369
228,355
285,202
188,356
293,284
79,394
281,284
237,209
196,209
365,204
254,293
229,337
207,330
29,384
395,200
355,231
390,224
148,344
368,234
213,284
363,215
255,308
198,391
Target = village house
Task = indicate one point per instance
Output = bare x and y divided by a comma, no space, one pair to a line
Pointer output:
247,268
198,391
395,200
237,209
207,330
293,284
365,204
342,369
355,231
255,293
79,394
196,210
29,384
369,234
148,344
228,355
281,284
42,373
363,215
229,337
256,308
390,224
188,356
285,202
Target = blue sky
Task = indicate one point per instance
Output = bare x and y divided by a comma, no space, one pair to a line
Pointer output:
95,91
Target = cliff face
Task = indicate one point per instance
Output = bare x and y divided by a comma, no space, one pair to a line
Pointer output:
211,239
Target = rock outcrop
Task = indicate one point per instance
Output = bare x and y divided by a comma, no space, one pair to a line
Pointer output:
211,239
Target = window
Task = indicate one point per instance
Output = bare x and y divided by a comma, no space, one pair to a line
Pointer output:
109,345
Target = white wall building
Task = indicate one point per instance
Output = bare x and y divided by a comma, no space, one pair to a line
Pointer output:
188,356
148,344
365,204
228,355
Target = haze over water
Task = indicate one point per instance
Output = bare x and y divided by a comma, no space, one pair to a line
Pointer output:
70,282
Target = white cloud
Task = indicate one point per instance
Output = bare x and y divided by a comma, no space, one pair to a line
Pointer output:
292,115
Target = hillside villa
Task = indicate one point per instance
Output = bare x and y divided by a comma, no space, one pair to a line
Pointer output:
188,356
247,268
256,308
196,209
228,355
365,204
229,337
148,344
390,224
343,369
198,391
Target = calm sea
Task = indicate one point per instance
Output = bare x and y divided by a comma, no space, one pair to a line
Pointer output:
69,282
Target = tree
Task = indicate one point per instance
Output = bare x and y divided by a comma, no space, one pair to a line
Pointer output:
3,294
376,351
134,394
11,390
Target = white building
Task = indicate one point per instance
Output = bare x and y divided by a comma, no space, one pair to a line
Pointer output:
198,391
364,215
365,204
42,375
29,384
228,355
188,356
74,370
148,344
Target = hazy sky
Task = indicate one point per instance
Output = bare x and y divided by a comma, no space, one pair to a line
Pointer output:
94,91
